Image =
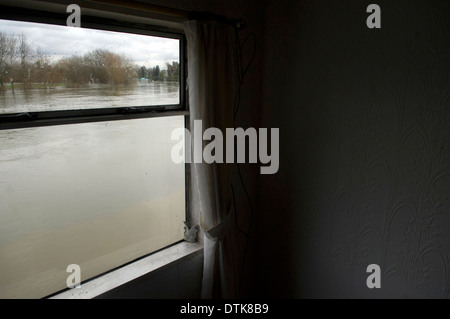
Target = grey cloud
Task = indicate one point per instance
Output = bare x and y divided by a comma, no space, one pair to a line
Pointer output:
58,41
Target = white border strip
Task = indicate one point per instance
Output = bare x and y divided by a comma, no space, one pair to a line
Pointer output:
123,275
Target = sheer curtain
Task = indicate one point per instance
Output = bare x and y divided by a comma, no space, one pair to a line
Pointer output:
212,85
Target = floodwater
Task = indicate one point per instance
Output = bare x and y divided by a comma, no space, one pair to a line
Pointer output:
142,93
95,194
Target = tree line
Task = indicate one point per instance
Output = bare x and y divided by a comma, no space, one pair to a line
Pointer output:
172,72
21,62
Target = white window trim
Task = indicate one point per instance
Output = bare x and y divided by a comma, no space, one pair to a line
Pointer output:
130,272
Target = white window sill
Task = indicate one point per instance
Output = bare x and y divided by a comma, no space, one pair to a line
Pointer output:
116,278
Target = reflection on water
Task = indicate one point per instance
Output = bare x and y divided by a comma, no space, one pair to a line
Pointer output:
96,194
92,96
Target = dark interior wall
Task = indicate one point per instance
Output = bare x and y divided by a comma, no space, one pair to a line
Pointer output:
364,118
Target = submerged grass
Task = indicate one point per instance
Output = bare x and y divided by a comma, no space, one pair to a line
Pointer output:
21,86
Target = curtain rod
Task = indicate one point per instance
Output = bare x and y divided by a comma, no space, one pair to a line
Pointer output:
178,14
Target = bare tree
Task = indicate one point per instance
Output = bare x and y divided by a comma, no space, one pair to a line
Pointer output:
172,71
8,51
20,61
11,58
3,58
109,68
25,52
74,70
96,62
7,57
120,70
42,67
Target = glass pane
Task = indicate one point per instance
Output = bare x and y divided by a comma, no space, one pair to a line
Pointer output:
48,67
97,195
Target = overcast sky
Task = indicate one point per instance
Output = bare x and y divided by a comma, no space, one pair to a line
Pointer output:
59,41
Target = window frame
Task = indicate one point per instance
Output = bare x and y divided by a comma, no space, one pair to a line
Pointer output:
10,121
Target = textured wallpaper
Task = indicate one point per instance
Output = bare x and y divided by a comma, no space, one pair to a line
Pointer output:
364,117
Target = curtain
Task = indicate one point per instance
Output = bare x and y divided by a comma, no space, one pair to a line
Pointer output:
212,85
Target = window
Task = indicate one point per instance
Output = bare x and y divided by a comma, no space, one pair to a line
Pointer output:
86,175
